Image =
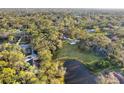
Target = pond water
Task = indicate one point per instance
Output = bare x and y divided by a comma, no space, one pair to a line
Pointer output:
77,73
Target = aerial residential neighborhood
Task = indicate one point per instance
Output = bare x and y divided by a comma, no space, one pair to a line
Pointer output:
61,46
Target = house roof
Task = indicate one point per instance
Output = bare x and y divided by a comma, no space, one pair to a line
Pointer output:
90,30
25,46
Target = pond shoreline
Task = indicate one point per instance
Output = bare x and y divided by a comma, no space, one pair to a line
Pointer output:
77,73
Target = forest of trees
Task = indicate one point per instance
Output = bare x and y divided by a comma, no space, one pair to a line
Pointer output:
49,32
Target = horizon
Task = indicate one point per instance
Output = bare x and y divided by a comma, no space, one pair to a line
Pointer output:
79,11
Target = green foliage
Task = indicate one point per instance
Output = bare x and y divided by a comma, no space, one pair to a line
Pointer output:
13,68
52,73
45,55
45,31
103,64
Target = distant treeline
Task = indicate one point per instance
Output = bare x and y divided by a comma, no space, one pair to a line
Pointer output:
76,11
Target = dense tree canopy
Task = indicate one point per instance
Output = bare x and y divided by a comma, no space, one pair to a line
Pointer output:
47,33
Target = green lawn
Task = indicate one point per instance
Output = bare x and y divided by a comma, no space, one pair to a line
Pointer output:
87,58
73,52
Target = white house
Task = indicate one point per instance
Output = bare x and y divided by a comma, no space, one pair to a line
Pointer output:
90,30
73,41
31,55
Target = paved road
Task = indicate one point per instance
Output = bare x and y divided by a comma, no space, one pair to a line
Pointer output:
78,74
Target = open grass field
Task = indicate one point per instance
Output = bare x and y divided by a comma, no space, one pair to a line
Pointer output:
73,52
85,57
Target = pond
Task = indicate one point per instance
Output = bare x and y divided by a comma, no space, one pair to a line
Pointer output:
77,73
